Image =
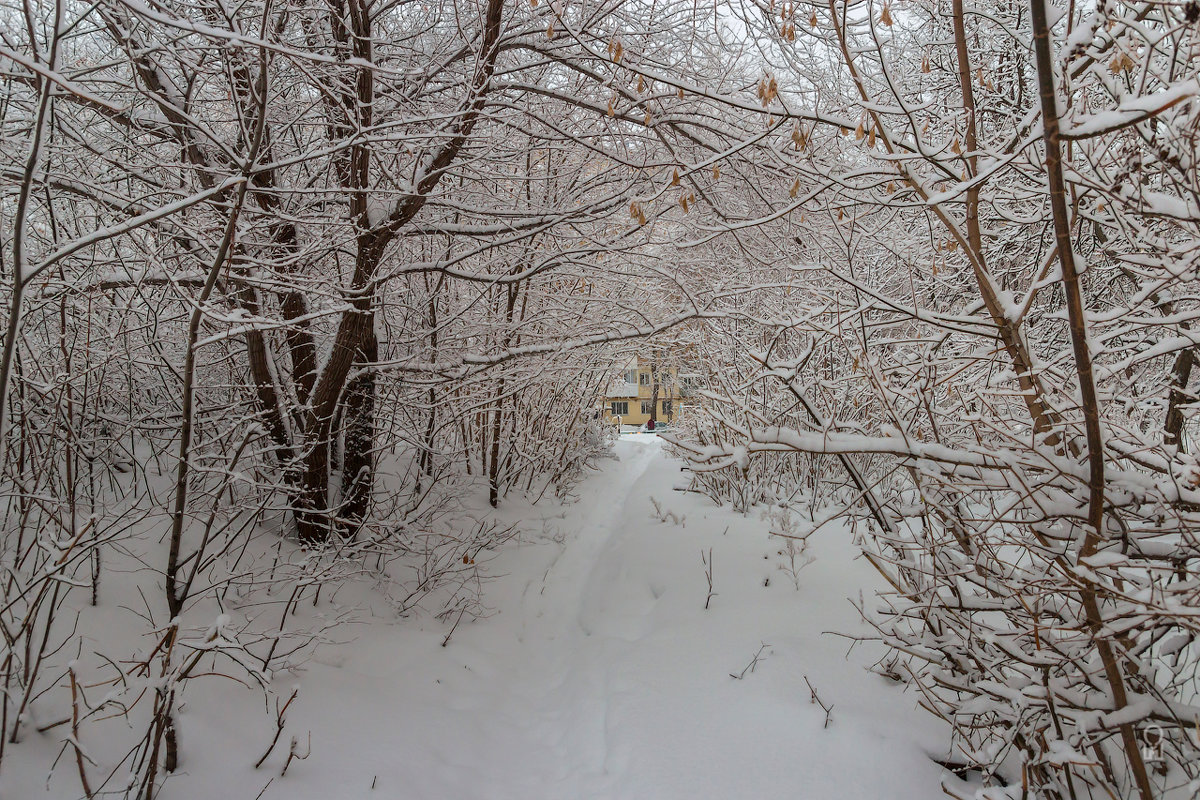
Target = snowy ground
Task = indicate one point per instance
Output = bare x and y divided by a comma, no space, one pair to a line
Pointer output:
599,675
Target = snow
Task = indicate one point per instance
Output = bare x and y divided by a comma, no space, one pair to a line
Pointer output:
1134,109
598,673
623,389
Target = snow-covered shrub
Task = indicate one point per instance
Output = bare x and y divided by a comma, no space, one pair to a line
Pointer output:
985,333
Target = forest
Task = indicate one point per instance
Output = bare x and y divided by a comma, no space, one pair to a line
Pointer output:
282,282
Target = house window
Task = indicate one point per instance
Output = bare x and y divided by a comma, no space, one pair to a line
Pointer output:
647,406
688,380
631,376
620,408
644,379
666,408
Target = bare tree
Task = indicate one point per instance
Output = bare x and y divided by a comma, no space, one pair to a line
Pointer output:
954,176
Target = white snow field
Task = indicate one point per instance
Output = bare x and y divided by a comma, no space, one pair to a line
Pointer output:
598,674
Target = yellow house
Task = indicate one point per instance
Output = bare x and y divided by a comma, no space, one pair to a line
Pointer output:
632,396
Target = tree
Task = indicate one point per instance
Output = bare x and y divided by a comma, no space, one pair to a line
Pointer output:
956,175
321,257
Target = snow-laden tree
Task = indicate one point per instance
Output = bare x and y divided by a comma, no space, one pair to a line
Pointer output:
320,259
987,340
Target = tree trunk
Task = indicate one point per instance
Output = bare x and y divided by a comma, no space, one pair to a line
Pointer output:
358,447
1081,348
654,393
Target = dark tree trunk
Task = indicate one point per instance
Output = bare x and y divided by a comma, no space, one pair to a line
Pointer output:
1180,375
358,453
334,401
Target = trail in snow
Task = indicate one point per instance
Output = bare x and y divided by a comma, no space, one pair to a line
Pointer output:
601,675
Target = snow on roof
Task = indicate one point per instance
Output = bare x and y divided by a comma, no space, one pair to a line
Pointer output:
623,389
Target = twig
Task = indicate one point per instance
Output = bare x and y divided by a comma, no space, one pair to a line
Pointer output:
708,573
79,754
293,753
279,723
454,627
753,665
828,709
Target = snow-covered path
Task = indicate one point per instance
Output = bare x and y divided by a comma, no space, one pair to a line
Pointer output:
601,675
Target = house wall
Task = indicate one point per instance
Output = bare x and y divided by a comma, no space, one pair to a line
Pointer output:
668,394
635,415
